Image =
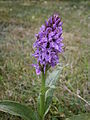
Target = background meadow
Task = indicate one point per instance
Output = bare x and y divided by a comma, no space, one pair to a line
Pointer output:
19,21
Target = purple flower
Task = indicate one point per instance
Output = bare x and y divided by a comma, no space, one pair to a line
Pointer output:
48,44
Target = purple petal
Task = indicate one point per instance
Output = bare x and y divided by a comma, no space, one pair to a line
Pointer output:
38,71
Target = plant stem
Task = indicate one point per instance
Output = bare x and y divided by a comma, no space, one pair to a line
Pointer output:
42,96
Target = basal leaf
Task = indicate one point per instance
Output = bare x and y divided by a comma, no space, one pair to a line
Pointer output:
18,109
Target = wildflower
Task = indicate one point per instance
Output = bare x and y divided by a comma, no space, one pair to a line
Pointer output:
48,44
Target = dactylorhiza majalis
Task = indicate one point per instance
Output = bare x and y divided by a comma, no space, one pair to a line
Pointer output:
47,46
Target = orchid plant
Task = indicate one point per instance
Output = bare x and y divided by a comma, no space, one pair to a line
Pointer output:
48,45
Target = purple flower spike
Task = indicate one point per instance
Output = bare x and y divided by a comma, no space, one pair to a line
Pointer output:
48,44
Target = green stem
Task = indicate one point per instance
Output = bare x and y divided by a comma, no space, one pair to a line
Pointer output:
42,96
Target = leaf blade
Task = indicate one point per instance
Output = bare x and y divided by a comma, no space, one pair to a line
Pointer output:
51,82
17,109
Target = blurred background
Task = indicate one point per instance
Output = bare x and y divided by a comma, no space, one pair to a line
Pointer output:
19,21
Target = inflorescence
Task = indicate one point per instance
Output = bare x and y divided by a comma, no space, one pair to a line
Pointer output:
48,44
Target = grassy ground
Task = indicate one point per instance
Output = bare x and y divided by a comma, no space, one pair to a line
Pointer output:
19,21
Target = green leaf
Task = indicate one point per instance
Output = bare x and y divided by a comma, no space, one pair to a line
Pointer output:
51,82
53,77
18,109
80,117
48,101
38,100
